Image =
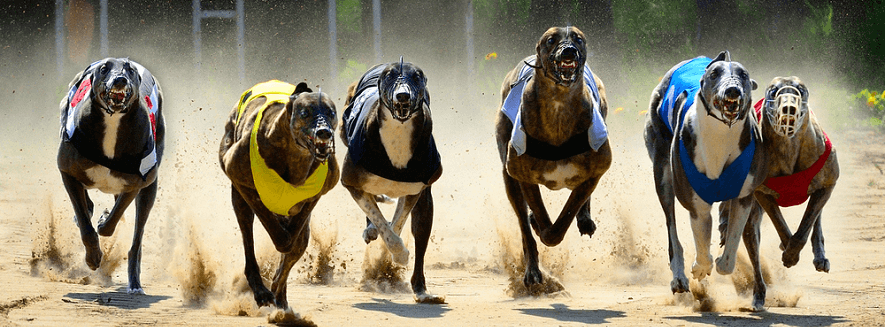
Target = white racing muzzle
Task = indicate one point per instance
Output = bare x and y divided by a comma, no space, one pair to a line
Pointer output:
785,111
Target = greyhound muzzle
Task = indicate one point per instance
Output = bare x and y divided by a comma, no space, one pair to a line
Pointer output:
404,101
567,63
323,140
731,102
117,95
785,112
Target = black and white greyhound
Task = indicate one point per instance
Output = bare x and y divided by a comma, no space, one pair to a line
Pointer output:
112,131
391,152
704,143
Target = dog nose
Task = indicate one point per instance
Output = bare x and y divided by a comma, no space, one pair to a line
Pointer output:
119,81
569,53
402,96
324,133
732,92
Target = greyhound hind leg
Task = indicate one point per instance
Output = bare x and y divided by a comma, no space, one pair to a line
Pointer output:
144,202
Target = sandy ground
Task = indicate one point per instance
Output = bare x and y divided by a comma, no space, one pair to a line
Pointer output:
192,254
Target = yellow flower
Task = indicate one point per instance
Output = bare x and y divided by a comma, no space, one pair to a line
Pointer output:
492,55
619,109
871,101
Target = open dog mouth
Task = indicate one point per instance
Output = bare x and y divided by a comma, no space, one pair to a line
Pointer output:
566,70
730,108
116,98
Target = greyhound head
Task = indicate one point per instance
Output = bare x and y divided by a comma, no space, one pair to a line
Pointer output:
402,89
725,90
561,54
312,121
786,105
115,85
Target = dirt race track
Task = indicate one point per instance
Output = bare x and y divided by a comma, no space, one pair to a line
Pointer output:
193,254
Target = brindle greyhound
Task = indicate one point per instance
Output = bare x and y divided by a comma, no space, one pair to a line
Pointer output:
558,107
801,163
701,136
112,130
391,151
278,151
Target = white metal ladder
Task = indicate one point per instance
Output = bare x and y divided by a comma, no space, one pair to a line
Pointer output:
238,14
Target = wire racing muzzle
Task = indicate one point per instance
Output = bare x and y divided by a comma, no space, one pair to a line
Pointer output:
785,112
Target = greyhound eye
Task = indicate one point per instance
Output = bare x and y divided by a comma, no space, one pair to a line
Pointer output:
772,92
304,113
579,41
104,69
550,40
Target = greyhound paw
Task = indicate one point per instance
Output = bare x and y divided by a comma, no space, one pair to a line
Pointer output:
105,229
427,298
790,258
822,264
699,271
725,265
532,277
135,290
401,257
263,297
370,234
679,285
93,252
586,226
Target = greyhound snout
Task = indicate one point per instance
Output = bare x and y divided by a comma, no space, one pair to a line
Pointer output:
733,92
569,52
402,101
323,140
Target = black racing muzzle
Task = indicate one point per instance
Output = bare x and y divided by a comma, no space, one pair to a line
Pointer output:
322,139
568,62
402,99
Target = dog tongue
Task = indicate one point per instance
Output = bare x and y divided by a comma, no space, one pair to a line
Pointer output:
118,96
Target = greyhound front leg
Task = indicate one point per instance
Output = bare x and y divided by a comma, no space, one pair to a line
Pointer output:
738,213
768,203
143,204
579,196
393,242
701,227
108,221
812,212
83,212
404,206
821,263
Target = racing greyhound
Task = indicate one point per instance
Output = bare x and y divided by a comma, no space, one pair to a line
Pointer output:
112,131
391,151
551,131
278,152
702,136
802,162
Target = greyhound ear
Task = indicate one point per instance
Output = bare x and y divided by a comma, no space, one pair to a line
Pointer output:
753,83
724,55
301,88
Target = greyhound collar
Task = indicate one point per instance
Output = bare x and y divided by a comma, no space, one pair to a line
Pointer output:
80,95
277,194
784,111
730,182
597,134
